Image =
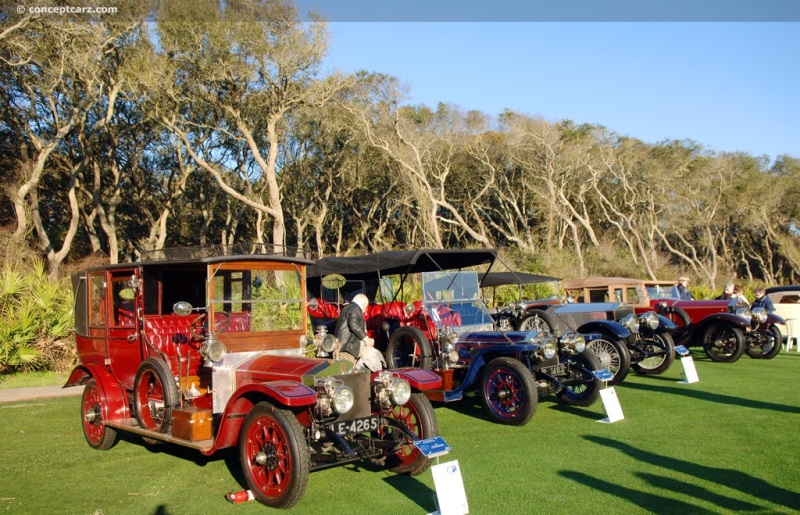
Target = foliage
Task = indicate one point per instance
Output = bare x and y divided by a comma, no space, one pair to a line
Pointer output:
35,319
171,129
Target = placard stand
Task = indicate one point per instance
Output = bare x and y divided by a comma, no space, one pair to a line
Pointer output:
689,373
450,498
611,406
609,397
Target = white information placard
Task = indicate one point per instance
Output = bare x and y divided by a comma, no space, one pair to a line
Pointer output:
689,372
611,406
450,492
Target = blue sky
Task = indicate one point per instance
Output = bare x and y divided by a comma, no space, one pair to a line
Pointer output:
729,86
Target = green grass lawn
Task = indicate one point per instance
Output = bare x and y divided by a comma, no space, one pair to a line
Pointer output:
38,378
729,443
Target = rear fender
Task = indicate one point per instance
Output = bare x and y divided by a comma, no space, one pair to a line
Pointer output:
606,327
116,405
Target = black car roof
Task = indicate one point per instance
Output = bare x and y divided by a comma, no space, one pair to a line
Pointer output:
394,262
773,289
172,262
501,278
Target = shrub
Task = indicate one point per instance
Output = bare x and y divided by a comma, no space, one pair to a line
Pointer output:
35,319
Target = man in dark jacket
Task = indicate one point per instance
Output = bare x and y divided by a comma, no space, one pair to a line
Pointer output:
762,301
727,292
351,328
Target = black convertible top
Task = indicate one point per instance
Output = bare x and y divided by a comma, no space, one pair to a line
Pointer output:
500,278
400,262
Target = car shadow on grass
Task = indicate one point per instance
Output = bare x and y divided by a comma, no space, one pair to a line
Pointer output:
552,402
646,500
730,478
469,406
170,449
714,397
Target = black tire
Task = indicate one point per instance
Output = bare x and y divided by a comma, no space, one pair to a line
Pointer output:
584,389
508,391
768,344
537,320
155,395
274,456
613,356
723,343
93,404
418,416
408,347
663,345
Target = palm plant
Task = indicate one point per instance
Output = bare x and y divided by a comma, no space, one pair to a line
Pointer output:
35,319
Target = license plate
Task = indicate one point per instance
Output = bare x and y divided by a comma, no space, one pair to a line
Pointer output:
556,370
359,425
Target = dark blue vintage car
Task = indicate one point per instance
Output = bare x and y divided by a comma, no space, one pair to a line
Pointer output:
425,310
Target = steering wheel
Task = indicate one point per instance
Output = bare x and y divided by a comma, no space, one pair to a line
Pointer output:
198,326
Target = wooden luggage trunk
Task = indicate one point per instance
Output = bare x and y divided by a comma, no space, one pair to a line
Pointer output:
191,423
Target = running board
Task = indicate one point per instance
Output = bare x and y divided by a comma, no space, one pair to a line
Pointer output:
131,426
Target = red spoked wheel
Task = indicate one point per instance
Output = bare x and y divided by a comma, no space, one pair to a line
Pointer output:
155,395
274,455
97,434
508,390
418,416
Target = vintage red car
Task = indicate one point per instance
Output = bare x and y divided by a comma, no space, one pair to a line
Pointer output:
725,329
233,372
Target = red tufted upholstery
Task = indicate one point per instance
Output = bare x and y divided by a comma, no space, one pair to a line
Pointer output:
166,333
449,317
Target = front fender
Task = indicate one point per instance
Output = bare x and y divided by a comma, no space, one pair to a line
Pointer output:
418,378
724,318
606,327
773,319
288,393
665,325
116,405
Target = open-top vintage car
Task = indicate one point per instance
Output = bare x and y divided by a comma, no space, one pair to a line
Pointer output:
448,329
724,328
628,340
232,371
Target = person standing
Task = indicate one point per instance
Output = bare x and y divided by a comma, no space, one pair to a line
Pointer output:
351,331
727,292
683,289
762,301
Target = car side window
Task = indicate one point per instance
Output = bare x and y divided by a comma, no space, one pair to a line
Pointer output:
97,300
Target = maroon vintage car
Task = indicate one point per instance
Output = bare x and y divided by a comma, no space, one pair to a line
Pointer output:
725,329
234,372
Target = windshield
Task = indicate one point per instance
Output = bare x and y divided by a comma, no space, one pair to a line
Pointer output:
251,299
453,300
658,291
